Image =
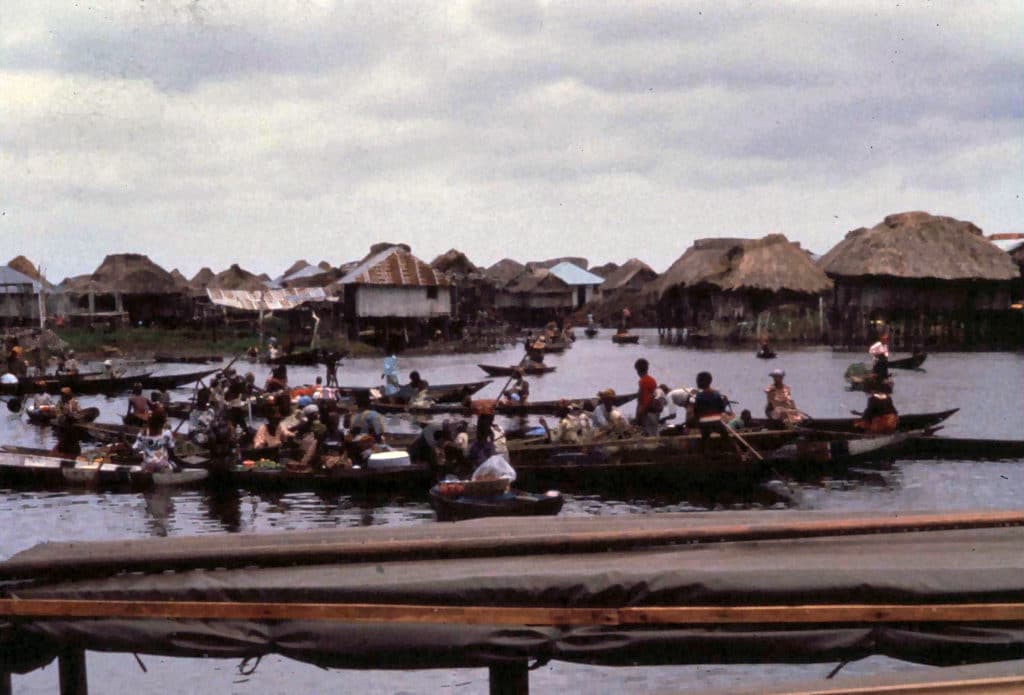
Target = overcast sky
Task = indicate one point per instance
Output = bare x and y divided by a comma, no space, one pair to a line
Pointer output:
219,131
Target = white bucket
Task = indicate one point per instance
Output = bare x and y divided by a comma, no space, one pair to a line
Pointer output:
389,459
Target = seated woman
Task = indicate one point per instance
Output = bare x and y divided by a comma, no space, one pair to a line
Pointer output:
156,443
781,408
880,415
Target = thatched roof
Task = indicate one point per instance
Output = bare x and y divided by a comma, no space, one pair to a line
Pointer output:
202,279
919,245
294,268
772,263
627,273
504,271
324,266
455,262
236,278
134,273
396,266
552,262
176,274
605,270
25,267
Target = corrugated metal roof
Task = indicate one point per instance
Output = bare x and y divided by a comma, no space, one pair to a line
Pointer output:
394,266
1008,245
10,278
572,274
267,300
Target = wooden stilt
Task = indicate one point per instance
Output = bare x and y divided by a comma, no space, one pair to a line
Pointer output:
5,683
72,673
510,679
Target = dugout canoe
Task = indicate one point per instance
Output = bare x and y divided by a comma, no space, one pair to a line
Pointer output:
507,409
815,455
439,393
47,469
912,362
186,359
400,478
625,339
590,332
511,503
551,347
163,382
47,415
967,449
907,422
89,384
532,370
307,358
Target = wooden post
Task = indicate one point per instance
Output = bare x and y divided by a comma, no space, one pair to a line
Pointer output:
72,673
510,679
5,683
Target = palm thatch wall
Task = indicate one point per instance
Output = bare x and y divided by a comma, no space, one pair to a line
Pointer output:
931,280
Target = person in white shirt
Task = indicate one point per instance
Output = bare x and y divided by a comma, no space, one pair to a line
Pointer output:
881,347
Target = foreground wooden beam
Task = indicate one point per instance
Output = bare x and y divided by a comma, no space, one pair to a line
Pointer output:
73,679
83,564
529,615
509,679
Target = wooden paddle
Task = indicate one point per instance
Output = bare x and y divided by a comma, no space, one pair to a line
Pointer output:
736,435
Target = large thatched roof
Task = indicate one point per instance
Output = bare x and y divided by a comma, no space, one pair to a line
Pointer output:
236,278
202,279
772,263
455,262
552,262
919,245
133,273
25,267
295,267
606,269
626,274
504,271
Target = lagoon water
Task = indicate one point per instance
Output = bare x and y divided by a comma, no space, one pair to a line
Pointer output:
986,386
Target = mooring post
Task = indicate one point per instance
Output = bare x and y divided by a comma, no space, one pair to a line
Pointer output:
5,683
512,678
72,673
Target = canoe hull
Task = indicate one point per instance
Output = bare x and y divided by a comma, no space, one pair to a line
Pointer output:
513,503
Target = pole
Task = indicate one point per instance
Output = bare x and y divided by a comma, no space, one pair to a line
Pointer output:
509,679
72,673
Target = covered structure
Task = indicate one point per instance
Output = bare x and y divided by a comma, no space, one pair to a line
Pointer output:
21,298
473,292
548,294
504,272
125,286
394,297
933,281
743,289
625,287
721,587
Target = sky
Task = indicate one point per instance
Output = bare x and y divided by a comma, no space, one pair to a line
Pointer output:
210,132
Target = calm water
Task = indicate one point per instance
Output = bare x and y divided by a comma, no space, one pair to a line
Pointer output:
986,386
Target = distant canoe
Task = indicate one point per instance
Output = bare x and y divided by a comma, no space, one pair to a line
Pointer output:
495,370
439,393
625,338
912,362
170,381
908,421
186,359
590,332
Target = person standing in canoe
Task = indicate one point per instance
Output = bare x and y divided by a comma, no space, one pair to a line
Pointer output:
68,412
648,410
138,407
881,347
518,391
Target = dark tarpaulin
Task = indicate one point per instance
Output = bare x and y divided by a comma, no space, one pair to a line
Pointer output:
966,566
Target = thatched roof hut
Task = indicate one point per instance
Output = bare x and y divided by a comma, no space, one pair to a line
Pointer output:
917,245
25,267
202,279
606,269
237,278
552,262
772,264
177,275
504,271
134,273
455,262
633,274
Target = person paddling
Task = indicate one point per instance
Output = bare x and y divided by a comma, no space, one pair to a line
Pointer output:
708,407
880,415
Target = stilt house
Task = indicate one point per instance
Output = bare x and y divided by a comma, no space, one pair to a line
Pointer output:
933,281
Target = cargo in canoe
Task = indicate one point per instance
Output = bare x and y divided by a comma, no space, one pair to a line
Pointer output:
47,415
550,347
532,370
454,507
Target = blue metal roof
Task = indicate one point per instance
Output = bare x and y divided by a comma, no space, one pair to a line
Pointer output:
9,276
572,274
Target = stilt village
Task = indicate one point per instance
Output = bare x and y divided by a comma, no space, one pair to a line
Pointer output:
187,412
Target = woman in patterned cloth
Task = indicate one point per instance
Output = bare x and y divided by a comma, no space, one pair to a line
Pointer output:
156,443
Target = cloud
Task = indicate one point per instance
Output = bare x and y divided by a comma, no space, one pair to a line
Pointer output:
211,132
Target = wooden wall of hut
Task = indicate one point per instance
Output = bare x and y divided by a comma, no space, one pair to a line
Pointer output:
935,314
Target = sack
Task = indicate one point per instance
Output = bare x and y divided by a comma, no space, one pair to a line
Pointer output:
494,468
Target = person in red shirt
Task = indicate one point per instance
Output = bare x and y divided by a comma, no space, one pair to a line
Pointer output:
646,412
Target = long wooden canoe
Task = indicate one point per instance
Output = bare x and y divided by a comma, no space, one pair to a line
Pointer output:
532,370
625,338
47,469
439,393
170,381
512,503
908,422
507,409
912,362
